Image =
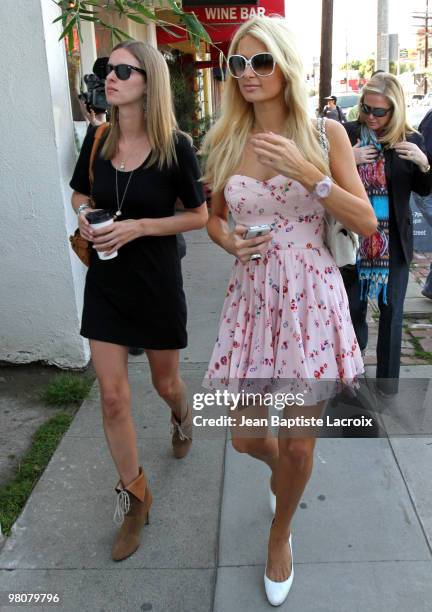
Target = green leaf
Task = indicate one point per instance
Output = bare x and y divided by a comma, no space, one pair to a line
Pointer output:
70,42
136,18
202,32
170,32
78,22
175,8
116,36
62,4
137,11
68,28
116,33
195,28
87,18
144,11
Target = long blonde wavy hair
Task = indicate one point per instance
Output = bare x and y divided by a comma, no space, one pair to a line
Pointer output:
398,127
158,111
225,142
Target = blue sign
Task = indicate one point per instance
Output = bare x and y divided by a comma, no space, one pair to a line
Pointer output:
421,228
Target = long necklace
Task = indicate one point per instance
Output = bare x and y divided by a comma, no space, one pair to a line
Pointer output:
120,203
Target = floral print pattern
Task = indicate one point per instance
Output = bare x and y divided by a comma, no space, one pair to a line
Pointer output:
286,316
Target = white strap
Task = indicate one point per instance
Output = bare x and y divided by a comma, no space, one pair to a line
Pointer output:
323,140
122,506
177,426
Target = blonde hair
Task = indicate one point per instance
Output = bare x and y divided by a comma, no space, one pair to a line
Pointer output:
158,113
225,142
387,85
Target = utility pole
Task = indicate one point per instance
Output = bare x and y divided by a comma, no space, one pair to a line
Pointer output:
326,51
424,16
346,61
382,56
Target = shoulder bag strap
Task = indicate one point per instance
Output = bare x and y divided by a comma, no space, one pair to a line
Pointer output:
323,140
97,137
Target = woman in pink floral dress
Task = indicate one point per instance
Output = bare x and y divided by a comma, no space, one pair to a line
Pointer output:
285,319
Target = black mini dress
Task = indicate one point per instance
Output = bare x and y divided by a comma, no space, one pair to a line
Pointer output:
137,298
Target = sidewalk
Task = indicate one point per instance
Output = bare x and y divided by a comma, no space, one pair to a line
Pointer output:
362,536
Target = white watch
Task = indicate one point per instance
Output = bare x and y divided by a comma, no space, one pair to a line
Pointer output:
323,187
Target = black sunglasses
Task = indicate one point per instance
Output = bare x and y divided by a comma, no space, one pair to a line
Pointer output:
123,71
376,112
262,64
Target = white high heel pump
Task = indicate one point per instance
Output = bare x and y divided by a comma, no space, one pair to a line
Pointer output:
277,592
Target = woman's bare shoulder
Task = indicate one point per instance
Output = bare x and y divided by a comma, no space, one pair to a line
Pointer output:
333,127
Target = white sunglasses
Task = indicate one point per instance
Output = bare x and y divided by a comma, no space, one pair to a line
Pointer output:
262,64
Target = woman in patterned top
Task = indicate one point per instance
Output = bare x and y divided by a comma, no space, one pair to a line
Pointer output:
391,162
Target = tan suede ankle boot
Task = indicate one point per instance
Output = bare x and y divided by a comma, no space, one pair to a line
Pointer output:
182,434
132,507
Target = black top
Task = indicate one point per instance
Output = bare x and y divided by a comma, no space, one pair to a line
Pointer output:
137,299
402,177
425,129
335,113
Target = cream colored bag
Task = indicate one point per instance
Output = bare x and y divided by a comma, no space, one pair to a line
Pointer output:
342,243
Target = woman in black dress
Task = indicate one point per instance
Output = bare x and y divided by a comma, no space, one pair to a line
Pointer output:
136,299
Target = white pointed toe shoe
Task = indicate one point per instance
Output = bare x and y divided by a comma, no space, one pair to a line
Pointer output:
272,498
277,592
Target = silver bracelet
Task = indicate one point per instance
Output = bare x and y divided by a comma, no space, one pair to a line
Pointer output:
81,207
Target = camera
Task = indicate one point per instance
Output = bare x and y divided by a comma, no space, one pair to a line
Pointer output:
94,98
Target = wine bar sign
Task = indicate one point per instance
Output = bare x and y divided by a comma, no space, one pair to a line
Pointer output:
230,12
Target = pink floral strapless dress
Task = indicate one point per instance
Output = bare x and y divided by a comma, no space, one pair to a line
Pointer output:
285,322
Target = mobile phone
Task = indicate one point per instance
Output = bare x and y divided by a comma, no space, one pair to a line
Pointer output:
257,230
254,232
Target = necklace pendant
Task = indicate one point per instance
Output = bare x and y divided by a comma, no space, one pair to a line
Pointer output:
122,165
118,213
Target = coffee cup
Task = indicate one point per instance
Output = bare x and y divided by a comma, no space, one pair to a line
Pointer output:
98,219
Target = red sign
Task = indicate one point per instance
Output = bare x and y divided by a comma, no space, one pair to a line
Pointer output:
226,14
236,14
222,21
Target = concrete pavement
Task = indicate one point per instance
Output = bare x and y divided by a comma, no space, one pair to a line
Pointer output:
362,536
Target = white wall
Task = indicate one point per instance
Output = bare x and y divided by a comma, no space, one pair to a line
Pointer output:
87,47
41,280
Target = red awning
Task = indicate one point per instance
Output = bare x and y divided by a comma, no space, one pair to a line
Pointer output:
221,21
218,34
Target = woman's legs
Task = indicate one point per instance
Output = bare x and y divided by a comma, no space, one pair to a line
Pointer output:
110,363
391,322
134,497
264,449
260,446
167,381
296,448
290,458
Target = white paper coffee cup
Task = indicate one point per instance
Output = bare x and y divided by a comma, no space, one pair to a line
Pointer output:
97,220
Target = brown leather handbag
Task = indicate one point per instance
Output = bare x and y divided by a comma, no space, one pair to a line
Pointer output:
80,245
